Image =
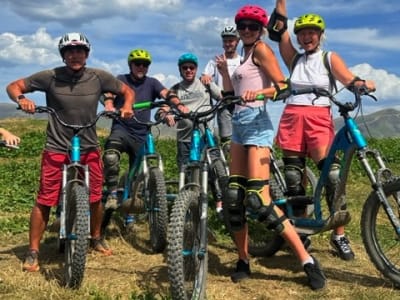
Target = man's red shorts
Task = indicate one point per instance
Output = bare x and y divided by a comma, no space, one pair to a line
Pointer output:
50,178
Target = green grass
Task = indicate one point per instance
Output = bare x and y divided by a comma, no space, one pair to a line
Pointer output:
19,180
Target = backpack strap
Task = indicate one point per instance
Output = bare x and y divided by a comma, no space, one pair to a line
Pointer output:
332,80
294,61
208,90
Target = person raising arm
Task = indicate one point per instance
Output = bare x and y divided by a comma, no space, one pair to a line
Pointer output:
306,128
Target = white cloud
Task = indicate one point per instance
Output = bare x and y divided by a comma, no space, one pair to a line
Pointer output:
387,85
76,12
365,37
167,80
26,49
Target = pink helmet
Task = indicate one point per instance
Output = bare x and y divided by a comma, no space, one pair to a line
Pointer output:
252,12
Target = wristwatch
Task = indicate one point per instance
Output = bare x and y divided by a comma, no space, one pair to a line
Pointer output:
20,97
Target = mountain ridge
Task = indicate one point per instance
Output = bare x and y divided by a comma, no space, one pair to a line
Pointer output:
384,123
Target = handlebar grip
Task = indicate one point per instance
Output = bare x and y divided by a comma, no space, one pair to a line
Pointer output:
142,105
260,97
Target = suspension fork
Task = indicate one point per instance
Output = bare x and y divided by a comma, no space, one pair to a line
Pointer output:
383,174
63,202
203,210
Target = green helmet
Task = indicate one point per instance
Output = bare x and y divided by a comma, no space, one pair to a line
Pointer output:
188,57
309,21
139,54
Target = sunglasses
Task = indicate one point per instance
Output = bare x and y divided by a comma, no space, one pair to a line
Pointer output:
185,68
251,26
144,64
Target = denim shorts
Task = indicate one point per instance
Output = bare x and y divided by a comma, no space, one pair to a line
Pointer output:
252,126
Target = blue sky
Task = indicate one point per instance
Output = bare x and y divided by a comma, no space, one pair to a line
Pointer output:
364,32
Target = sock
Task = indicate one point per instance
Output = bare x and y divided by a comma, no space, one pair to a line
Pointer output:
337,237
309,260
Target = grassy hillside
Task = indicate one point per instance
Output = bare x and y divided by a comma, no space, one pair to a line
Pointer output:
133,272
381,124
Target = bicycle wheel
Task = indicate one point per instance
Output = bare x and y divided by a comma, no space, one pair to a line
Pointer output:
264,242
157,210
76,243
187,265
149,204
380,238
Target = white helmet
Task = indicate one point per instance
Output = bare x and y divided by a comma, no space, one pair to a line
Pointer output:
73,39
229,31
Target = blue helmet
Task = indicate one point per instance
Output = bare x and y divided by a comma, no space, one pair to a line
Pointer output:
188,57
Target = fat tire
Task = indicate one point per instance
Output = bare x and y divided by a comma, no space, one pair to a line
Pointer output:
76,243
380,239
157,210
186,271
271,242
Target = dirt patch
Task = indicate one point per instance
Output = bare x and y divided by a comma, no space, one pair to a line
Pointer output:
134,269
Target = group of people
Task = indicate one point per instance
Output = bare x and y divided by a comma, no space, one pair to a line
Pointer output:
305,129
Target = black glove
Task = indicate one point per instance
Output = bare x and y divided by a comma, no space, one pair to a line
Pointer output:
273,32
281,93
159,115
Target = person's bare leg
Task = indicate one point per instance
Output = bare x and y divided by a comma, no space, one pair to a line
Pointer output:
98,243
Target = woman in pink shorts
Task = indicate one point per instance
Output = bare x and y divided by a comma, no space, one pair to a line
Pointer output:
306,127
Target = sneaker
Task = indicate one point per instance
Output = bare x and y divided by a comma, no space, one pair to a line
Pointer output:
31,262
242,271
100,245
112,202
342,247
316,277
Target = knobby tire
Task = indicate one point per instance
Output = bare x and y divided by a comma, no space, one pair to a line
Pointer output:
187,270
380,239
76,243
158,210
155,210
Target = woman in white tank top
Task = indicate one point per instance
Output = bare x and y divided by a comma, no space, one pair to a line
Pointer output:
306,127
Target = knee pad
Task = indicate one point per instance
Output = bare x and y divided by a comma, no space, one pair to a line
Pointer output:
332,181
233,202
111,159
268,215
334,172
293,172
254,199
